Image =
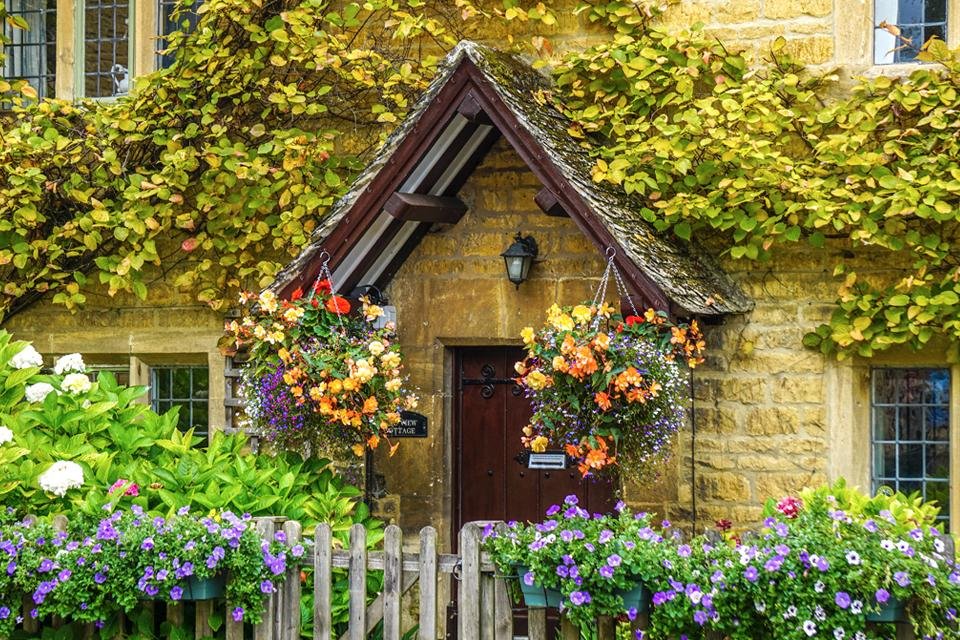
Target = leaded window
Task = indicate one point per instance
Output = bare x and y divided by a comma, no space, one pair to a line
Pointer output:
917,20
910,426
106,48
174,15
31,53
185,387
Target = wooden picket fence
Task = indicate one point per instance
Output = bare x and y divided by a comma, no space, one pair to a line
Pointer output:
484,610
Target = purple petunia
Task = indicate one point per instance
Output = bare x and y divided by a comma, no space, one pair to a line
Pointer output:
842,599
901,578
751,574
578,598
882,596
176,593
238,614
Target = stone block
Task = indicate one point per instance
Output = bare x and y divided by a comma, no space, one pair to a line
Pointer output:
745,390
794,389
724,486
712,420
769,421
778,485
785,9
814,50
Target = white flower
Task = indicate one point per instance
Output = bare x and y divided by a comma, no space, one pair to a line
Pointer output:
887,545
810,628
791,612
70,362
28,357
856,607
76,383
38,391
853,557
819,614
5,435
859,635
839,633
61,477
819,586
938,545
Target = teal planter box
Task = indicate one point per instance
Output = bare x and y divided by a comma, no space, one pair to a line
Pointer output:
892,611
208,589
535,596
636,598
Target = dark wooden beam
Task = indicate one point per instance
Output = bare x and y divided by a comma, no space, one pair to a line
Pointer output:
420,207
549,204
470,109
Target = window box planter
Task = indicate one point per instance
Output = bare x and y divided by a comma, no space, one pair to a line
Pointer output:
535,596
206,589
893,611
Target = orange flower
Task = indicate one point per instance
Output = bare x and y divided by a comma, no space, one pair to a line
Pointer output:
601,342
373,441
338,305
569,344
297,294
322,286
602,398
370,405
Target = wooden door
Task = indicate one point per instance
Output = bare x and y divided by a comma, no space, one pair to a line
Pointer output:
491,474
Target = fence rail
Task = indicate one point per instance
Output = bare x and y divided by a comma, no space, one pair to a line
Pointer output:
484,607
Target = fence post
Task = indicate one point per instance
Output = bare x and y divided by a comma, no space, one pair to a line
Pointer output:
469,605
503,607
605,628
568,631
537,624
487,606
392,579
428,583
358,582
322,582
264,630
290,614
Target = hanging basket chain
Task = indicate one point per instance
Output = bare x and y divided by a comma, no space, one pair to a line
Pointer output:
325,274
601,293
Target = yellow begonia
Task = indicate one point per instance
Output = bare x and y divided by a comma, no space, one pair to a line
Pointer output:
268,301
581,313
393,384
559,364
528,335
376,347
293,314
563,322
536,380
364,371
539,444
390,360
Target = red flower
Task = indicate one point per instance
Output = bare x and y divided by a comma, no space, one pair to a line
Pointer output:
790,506
632,320
297,294
314,303
323,286
723,524
338,305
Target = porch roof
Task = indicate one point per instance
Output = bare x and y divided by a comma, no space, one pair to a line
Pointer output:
479,94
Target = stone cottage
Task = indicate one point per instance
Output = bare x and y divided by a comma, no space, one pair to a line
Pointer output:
481,159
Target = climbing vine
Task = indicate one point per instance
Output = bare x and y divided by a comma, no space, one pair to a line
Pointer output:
771,156
216,170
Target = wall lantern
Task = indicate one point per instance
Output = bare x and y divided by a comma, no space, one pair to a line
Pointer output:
519,257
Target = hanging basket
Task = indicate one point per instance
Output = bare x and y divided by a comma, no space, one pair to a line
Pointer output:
604,388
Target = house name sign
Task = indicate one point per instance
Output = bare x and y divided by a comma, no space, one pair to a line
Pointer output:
412,425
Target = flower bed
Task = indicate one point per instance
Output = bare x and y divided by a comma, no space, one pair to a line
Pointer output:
607,390
823,566
97,569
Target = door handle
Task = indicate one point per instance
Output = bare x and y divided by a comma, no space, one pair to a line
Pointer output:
489,472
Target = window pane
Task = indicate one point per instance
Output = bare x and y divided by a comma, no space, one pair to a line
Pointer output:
885,423
31,54
935,11
188,389
933,31
174,16
106,48
181,383
911,12
910,429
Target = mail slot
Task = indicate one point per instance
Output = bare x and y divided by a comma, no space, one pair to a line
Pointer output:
547,460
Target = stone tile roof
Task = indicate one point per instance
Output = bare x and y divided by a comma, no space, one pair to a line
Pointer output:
684,272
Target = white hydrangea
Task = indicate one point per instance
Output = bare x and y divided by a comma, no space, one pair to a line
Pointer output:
38,391
5,435
70,362
76,383
28,357
61,477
